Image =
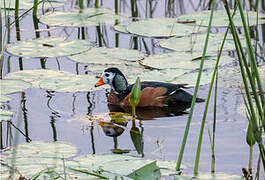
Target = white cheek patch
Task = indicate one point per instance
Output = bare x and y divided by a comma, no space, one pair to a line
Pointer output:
107,80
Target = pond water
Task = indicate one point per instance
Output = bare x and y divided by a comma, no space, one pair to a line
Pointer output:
45,115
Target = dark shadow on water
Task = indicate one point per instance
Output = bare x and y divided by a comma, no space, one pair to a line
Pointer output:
149,113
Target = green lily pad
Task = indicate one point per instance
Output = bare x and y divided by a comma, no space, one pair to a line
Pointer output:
191,78
27,4
183,60
37,157
126,165
231,77
216,176
104,56
48,47
70,83
121,28
160,27
39,149
4,98
5,115
36,76
164,75
195,43
9,86
220,18
86,17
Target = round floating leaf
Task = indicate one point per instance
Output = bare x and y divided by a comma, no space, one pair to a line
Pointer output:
220,18
164,75
195,43
191,78
38,158
48,47
104,56
70,83
160,27
4,98
232,78
39,149
183,60
27,4
35,76
216,176
5,115
121,28
9,86
84,17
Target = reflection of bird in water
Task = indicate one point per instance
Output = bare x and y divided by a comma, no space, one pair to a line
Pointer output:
111,129
152,93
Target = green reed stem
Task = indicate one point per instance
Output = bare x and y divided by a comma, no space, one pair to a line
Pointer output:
253,62
243,63
195,96
35,8
81,4
214,121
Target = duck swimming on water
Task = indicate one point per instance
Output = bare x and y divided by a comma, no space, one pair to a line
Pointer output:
153,94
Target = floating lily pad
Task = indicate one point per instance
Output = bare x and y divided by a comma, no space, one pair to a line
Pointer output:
37,157
104,56
5,115
183,60
232,78
191,78
35,76
160,27
125,165
86,17
216,176
121,28
9,86
48,47
220,18
195,43
165,75
70,83
4,98
27,4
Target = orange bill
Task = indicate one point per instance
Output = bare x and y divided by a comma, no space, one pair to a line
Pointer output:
100,82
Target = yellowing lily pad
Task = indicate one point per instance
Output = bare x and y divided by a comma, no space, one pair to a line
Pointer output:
183,60
195,43
84,17
35,76
5,115
48,47
104,56
9,86
220,18
160,27
27,4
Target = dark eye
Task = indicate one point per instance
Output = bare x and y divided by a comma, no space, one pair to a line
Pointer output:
107,75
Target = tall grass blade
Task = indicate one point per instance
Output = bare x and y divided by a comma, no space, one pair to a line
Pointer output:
35,8
245,69
195,94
